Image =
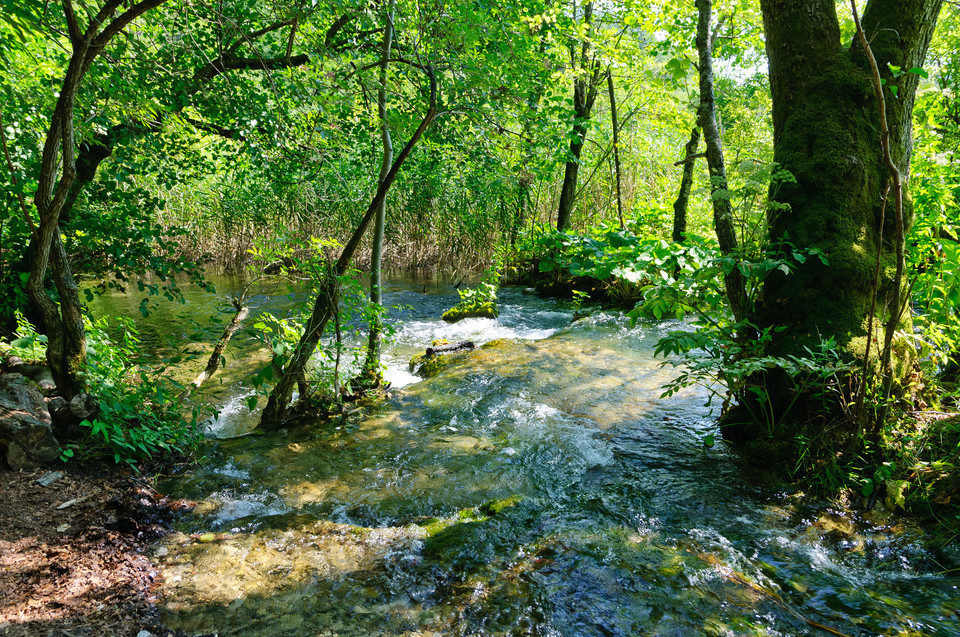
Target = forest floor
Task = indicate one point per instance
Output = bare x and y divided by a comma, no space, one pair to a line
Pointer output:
72,554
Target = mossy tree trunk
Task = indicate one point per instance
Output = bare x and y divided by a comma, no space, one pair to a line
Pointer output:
826,133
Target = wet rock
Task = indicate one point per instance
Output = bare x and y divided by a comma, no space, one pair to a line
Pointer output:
26,432
84,406
471,310
440,354
59,409
474,537
49,478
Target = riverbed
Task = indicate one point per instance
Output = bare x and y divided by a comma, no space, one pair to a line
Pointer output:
538,485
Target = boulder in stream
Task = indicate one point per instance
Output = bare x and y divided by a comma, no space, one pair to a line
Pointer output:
440,354
471,310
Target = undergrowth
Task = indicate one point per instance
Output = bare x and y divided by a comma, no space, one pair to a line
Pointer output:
140,417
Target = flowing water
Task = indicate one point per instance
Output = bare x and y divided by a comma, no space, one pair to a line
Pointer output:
536,486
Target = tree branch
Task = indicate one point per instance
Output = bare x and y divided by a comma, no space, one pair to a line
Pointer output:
334,29
73,28
120,22
249,37
228,63
106,12
689,158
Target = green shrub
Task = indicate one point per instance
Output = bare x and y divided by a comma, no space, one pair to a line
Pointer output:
624,265
27,344
140,416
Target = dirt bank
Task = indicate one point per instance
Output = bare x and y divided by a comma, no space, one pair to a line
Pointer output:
72,554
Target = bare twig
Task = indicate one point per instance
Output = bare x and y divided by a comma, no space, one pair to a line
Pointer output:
864,374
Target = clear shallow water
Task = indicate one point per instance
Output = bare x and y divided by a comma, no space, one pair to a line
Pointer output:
537,486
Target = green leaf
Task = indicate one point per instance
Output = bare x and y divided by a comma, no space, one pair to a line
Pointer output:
727,264
678,68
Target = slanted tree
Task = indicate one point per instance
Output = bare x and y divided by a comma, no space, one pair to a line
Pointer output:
326,304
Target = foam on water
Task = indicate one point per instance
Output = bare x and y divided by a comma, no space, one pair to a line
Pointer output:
234,418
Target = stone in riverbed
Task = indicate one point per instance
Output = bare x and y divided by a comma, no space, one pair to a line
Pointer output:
440,354
471,310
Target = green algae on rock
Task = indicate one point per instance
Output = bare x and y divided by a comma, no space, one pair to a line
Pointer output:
471,309
438,356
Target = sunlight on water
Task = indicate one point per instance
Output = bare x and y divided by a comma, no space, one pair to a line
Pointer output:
536,486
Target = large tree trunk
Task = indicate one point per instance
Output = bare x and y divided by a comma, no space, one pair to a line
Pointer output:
826,124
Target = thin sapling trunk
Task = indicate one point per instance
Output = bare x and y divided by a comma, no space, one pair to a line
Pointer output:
371,376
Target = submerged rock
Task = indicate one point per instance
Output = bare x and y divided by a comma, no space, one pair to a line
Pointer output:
475,538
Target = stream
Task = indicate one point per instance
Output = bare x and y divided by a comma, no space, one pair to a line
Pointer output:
536,486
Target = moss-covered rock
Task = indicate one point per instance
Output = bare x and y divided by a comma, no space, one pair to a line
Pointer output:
494,507
471,310
474,538
437,357
426,366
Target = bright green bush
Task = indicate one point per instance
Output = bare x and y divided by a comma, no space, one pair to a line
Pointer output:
479,301
140,416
